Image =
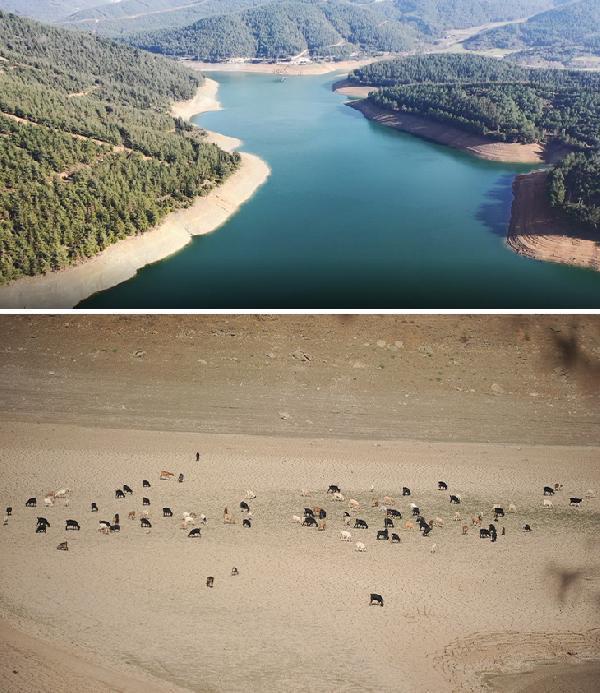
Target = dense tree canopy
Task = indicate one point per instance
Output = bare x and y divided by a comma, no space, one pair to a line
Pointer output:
574,186
88,151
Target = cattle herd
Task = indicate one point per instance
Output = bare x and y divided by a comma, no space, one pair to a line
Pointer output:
315,517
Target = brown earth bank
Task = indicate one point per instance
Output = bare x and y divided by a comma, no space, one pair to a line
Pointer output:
538,230
444,133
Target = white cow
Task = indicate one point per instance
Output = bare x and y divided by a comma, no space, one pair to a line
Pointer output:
345,536
62,493
547,503
512,508
49,500
360,546
354,504
338,497
250,494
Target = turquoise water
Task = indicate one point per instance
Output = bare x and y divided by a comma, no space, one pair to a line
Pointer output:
354,215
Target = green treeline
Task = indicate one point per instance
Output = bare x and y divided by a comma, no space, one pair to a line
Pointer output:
507,103
283,29
88,151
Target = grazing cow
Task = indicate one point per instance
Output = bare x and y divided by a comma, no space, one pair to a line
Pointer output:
9,510
333,488
63,546
194,532
308,512
116,519
548,491
354,504
250,494
165,475
391,512
442,486
167,512
309,521
376,599
119,493
405,491
409,525
498,511
203,518
322,526
455,498
476,520
31,503
131,515
512,508
395,538
359,546
547,503
40,529
338,497
387,522
426,529
416,511
526,528
457,517
229,519
360,524
465,529
145,522
503,531
210,581
484,533
558,487
180,478
590,493
145,501
296,518
43,521
374,503
438,522
382,534
49,501
115,528
127,489
244,507
575,501
72,524
246,522
387,500
94,508
105,524
322,514
146,483
345,536
235,571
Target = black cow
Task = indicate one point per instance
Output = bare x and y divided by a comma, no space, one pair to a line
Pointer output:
333,489
395,538
382,534
94,508
145,522
119,493
423,524
63,546
393,513
72,524
115,528
442,486
575,501
484,533
322,514
104,523
31,503
526,528
360,524
43,521
145,501
9,510
405,491
146,483
308,512
498,512
454,499
493,533
180,478
116,519
40,529
246,523
194,532
309,521
376,599
210,581
127,489
416,512
548,491
426,529
387,522
244,507
167,512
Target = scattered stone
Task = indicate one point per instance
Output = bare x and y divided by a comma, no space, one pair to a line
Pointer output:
283,415
300,355
358,364
497,389
399,344
381,343
139,353
426,350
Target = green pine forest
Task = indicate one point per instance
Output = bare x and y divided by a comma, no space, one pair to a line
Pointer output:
506,103
88,151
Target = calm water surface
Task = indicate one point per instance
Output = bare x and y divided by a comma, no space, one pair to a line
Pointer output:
354,215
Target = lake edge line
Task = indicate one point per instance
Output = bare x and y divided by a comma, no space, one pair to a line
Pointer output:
120,261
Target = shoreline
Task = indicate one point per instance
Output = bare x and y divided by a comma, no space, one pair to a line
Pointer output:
286,69
442,133
540,232
121,261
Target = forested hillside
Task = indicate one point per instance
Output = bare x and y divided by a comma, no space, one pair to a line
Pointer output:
575,25
47,10
284,29
507,103
88,151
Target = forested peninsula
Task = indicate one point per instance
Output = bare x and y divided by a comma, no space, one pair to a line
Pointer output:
557,110
89,153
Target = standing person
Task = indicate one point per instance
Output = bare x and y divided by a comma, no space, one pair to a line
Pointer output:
197,457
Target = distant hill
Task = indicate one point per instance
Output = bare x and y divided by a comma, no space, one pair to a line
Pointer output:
88,151
285,29
48,10
576,25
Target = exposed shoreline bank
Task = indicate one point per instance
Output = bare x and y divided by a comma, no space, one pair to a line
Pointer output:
540,232
287,69
121,261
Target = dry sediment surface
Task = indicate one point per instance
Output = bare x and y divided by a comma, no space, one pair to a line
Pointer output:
539,231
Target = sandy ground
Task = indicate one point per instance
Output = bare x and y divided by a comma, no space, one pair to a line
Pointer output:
119,262
540,232
282,68
482,147
96,402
